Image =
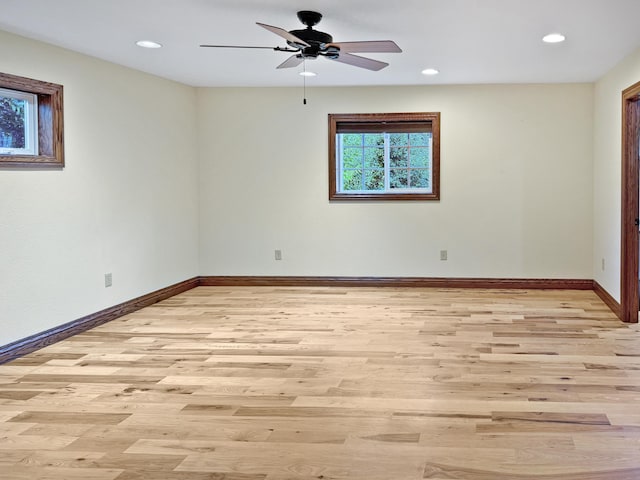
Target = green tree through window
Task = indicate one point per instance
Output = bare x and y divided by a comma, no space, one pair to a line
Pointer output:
12,122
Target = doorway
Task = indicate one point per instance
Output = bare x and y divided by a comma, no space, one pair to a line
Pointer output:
629,268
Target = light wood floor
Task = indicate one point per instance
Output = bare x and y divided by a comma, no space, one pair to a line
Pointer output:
333,383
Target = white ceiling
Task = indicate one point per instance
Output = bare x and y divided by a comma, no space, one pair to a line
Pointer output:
469,41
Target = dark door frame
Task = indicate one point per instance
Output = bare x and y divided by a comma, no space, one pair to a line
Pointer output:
630,186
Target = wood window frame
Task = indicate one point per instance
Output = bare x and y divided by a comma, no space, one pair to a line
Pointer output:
374,119
50,123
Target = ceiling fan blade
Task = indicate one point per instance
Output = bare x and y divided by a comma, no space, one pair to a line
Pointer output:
292,61
236,46
361,62
284,34
377,46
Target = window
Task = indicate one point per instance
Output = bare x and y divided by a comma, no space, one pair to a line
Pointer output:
18,123
389,156
31,124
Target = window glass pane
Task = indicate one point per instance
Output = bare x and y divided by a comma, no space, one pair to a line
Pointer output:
419,139
374,179
419,178
12,122
399,139
373,158
398,178
352,157
352,139
352,179
374,139
399,156
419,157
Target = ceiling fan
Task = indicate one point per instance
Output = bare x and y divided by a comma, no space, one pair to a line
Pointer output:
310,44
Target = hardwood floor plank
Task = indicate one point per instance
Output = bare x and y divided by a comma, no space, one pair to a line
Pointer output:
138,475
50,473
440,472
63,417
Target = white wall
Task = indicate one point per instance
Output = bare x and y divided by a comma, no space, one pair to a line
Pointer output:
516,185
607,167
125,203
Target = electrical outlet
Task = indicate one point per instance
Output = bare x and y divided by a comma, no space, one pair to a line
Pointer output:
603,264
108,280
278,254
443,254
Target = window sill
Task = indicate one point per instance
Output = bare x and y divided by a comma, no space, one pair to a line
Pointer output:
383,197
30,161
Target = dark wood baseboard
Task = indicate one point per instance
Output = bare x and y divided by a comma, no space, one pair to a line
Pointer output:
608,299
53,335
424,282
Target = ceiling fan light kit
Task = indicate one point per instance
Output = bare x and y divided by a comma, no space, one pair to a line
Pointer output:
308,43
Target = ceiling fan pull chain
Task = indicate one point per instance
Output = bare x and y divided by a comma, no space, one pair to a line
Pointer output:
304,82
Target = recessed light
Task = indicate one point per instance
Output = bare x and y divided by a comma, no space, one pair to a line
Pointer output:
553,38
148,44
430,71
308,74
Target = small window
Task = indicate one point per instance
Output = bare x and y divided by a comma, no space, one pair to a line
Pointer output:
18,123
387,156
31,123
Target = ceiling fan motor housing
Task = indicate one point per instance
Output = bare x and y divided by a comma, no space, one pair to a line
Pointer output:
315,38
